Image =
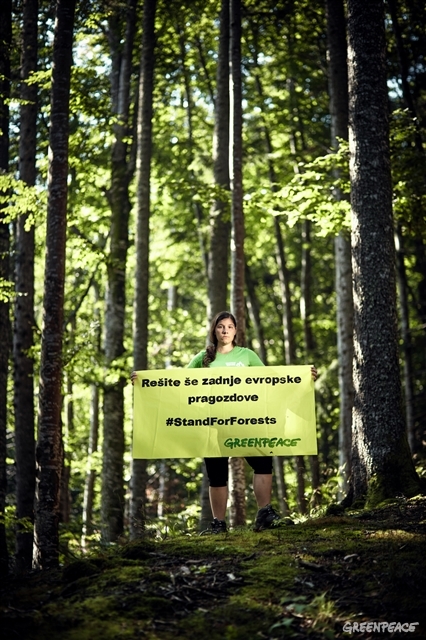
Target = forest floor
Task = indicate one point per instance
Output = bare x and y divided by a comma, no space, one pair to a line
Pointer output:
317,579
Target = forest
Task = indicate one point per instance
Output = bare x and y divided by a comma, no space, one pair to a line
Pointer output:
161,161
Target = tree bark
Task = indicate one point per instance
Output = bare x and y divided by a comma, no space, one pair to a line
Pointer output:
89,483
112,499
254,313
5,46
218,259
23,341
281,484
198,211
237,480
299,463
206,511
218,255
49,444
283,274
143,178
338,90
407,347
305,289
381,462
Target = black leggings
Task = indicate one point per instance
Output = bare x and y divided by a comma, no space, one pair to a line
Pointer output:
217,468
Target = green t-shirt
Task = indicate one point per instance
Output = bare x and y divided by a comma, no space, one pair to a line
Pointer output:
238,357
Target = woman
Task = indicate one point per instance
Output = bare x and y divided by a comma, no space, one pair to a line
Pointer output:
223,352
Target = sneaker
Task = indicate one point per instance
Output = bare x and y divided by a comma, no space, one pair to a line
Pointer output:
266,518
217,526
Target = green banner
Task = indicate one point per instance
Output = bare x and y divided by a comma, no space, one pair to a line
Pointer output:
229,411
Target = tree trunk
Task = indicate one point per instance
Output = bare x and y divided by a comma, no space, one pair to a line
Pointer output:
381,462
49,444
338,90
206,511
299,463
342,252
413,437
281,484
89,484
283,274
237,477
218,256
24,305
237,492
143,178
112,498
316,481
5,46
254,313
218,259
305,289
198,211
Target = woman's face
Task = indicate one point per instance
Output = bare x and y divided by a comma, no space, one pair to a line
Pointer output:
225,331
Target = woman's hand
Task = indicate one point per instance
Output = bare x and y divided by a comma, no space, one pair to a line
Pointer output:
314,373
133,376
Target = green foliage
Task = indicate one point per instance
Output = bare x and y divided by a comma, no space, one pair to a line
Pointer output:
408,172
17,198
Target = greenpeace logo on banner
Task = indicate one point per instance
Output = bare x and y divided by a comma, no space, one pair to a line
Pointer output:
262,411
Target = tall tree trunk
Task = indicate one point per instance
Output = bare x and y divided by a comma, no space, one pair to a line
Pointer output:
281,484
89,483
219,219
381,462
198,210
305,289
283,274
49,444
413,437
345,350
237,483
338,90
299,464
218,259
65,502
206,511
143,178
284,279
306,316
112,498
254,313
24,304
5,46
218,256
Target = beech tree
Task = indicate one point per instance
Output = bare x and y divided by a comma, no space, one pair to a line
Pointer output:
23,338
143,178
121,31
381,462
237,482
338,88
5,44
49,450
218,260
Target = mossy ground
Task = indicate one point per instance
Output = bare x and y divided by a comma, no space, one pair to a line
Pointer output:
301,581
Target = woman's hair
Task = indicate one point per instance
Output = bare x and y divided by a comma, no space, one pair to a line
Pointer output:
211,349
